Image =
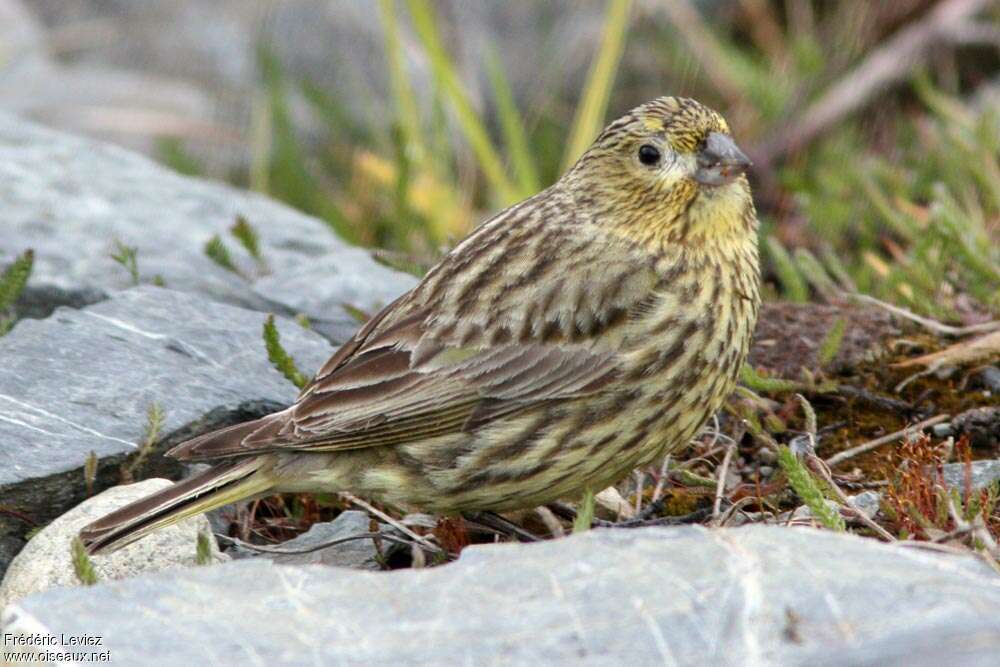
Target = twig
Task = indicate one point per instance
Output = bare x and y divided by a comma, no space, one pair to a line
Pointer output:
316,547
704,47
736,507
875,400
926,322
840,457
18,515
979,532
884,67
496,522
818,466
720,487
551,521
640,484
661,480
696,516
351,498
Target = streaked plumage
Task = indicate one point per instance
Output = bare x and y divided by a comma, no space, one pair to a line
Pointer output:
572,337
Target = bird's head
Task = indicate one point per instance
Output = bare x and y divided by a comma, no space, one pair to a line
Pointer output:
667,171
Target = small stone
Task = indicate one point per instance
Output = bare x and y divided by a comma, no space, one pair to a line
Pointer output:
983,474
45,561
989,377
867,502
942,430
357,554
980,425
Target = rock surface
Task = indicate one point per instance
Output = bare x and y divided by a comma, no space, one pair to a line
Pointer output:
746,596
45,562
984,473
72,200
213,46
84,380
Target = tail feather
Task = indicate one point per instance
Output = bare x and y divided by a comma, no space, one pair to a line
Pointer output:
218,486
231,441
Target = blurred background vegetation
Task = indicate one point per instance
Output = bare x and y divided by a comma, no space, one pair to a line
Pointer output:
874,126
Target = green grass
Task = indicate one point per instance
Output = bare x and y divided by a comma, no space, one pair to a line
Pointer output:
918,229
913,223
279,358
13,280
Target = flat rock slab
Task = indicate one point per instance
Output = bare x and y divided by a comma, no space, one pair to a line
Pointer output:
72,199
84,380
745,596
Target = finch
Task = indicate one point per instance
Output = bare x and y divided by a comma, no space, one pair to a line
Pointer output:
572,337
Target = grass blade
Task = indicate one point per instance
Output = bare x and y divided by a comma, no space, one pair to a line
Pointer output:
584,513
597,91
407,114
514,133
795,287
278,357
468,120
14,278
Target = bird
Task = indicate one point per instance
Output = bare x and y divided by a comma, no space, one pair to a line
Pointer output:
572,337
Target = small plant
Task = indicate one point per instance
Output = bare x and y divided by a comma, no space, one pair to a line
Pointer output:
279,358
203,549
921,505
217,251
155,417
82,565
90,472
766,385
127,256
831,342
247,237
12,282
803,483
452,533
584,513
243,232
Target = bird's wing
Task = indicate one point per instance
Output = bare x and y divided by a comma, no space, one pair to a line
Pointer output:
415,371
400,385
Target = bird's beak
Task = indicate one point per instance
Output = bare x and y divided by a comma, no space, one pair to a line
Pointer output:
720,161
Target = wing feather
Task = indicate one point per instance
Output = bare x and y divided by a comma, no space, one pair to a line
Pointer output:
413,372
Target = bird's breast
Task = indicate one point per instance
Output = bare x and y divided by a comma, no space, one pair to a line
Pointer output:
684,355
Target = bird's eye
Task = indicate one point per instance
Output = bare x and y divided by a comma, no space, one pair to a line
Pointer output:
649,155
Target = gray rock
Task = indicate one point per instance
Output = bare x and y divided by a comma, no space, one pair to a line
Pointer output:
989,376
213,44
10,546
22,40
322,287
357,554
984,473
84,380
980,425
45,562
71,199
688,596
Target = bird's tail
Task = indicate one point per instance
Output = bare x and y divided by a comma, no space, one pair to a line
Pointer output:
217,486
